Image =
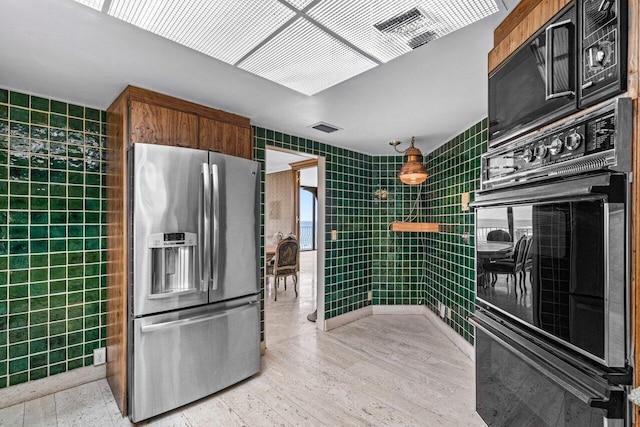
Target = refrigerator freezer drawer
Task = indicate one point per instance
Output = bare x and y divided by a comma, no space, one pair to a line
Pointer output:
183,356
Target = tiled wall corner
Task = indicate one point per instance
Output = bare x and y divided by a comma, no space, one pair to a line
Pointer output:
454,169
347,210
52,230
397,257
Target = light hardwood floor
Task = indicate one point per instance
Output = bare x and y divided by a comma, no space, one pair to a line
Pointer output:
382,370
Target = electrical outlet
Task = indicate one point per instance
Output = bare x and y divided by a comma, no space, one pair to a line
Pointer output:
334,235
466,238
99,356
369,295
449,313
443,310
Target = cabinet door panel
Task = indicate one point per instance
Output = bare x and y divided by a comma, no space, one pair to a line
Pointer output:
158,125
245,143
209,135
225,138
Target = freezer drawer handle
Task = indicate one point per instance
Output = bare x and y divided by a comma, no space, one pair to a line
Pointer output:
192,320
215,232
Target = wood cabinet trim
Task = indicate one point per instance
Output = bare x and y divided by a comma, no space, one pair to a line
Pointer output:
155,98
515,17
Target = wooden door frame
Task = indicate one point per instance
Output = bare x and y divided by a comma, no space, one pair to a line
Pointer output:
295,177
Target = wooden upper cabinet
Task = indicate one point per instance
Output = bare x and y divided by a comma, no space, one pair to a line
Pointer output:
159,125
524,21
225,138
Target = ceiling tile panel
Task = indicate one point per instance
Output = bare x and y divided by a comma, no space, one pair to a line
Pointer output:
299,4
306,59
387,29
226,30
94,4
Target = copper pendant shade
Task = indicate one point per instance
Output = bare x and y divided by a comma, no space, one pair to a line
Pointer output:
413,172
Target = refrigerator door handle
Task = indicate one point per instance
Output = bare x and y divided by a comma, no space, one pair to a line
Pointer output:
204,226
215,226
197,319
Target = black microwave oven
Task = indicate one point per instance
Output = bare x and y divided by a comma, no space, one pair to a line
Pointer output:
577,59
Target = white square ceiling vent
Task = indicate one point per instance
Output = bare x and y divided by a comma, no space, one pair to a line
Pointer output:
306,45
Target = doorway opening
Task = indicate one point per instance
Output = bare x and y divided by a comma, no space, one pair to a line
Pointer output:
294,201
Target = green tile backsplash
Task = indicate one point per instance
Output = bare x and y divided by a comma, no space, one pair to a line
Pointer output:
454,169
397,258
52,225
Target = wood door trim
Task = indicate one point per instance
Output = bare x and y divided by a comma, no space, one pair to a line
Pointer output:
304,164
296,167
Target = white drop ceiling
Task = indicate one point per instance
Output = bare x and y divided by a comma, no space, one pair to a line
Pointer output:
355,62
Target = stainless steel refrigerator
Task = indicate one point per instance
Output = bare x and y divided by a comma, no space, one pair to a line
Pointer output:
194,316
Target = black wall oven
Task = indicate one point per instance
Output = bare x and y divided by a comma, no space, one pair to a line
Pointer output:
552,324
578,59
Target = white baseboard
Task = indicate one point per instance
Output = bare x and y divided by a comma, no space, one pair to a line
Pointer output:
397,309
343,319
34,389
457,339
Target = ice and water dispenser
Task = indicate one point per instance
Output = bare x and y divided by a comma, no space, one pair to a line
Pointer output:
172,263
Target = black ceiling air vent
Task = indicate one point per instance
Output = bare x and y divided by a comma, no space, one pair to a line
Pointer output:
421,39
395,24
325,127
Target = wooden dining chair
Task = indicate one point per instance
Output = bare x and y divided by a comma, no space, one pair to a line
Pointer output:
286,262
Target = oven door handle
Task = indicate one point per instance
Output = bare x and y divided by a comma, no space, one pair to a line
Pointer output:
550,63
585,187
556,375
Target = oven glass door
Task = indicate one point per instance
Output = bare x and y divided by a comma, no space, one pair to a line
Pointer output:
529,89
545,265
520,385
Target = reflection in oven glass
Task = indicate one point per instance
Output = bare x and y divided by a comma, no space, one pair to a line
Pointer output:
544,264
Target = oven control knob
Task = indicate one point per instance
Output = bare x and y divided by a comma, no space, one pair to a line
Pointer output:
573,141
541,151
556,146
528,155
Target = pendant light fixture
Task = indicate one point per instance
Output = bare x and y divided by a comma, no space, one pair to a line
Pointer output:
413,171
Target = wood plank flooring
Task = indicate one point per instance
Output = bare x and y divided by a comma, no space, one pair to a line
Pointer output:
396,370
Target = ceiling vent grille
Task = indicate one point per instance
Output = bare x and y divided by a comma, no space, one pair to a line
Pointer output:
325,127
414,25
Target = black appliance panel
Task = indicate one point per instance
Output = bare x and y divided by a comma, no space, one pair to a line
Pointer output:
577,59
519,383
603,67
518,88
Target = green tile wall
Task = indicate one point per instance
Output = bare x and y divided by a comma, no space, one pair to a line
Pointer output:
348,210
52,227
52,230
397,257
450,262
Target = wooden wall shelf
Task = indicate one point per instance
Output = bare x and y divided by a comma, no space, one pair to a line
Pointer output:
429,227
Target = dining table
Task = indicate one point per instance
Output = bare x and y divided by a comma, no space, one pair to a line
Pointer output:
488,251
270,251
493,250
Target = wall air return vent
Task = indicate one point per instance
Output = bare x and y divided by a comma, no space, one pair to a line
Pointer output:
325,127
